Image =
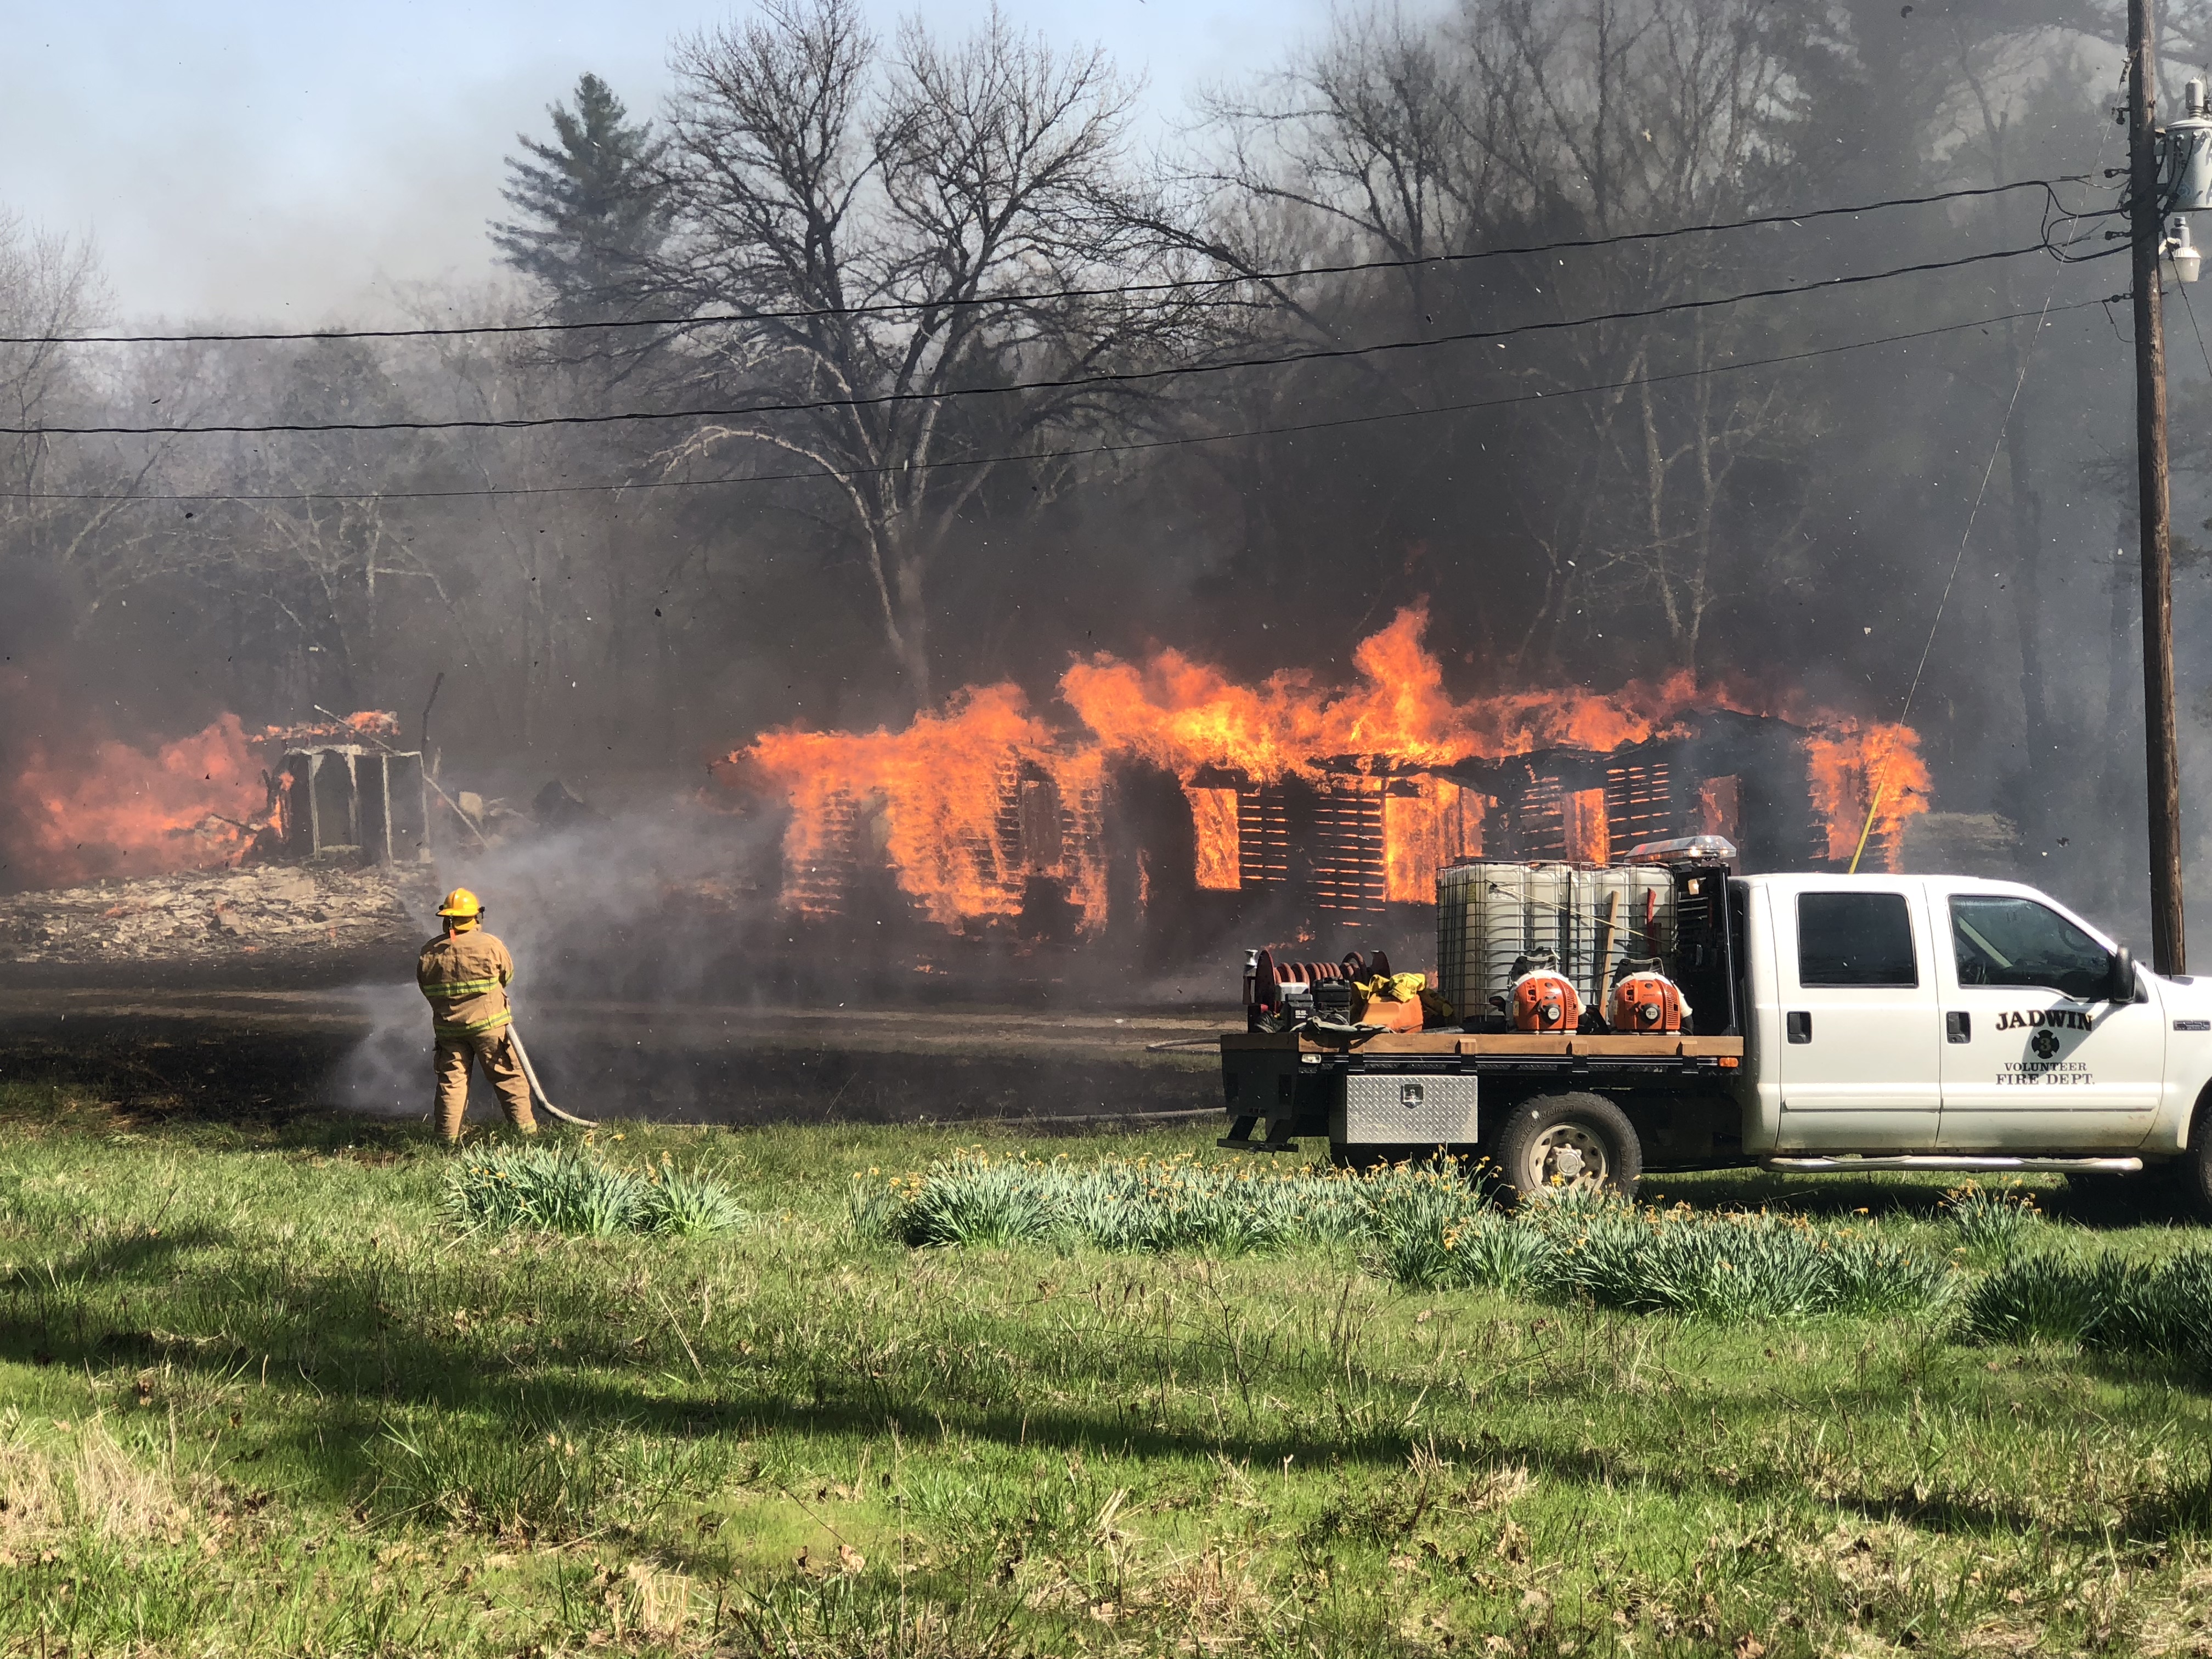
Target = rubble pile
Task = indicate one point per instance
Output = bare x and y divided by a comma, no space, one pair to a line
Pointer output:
210,917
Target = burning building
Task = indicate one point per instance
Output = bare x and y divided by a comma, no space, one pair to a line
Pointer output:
1175,804
103,808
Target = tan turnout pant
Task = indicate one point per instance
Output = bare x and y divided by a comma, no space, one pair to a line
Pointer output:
490,1049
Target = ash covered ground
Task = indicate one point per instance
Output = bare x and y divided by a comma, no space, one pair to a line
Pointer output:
262,920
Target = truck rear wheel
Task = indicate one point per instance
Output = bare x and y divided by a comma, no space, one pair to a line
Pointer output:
1577,1142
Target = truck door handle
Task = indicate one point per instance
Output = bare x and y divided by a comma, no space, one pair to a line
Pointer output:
1958,1027
1800,1024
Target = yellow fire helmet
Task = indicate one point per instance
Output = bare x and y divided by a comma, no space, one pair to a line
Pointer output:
460,905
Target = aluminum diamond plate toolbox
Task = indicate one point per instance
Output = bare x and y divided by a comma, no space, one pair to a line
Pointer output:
1396,1109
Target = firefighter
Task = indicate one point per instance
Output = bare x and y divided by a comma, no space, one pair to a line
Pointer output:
464,973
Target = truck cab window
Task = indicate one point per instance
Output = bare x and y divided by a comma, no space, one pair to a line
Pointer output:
1855,938
2016,941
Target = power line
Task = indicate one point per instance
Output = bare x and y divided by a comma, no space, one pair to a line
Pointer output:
901,307
1082,451
488,423
2193,329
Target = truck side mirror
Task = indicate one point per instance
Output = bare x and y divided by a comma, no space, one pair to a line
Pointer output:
2120,983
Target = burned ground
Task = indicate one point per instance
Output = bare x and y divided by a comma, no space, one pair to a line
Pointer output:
288,924
249,1054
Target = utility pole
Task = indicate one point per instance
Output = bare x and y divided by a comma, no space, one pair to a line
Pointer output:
2169,953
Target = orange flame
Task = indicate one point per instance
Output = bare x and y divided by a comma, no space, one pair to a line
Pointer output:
1862,772
1583,816
930,798
1185,715
363,723
111,810
1214,816
966,806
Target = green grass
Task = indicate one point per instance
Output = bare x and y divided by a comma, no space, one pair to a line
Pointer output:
2002,1218
1431,1228
275,1390
2102,1301
575,1188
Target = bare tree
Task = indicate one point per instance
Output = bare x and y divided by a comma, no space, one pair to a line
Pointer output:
915,220
282,546
1528,118
2015,76
50,287
73,508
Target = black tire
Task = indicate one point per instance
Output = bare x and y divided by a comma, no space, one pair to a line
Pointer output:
2189,1177
1558,1142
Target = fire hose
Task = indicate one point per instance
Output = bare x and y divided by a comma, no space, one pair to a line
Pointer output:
514,1039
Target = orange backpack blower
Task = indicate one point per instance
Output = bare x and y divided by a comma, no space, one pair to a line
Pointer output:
1646,1001
1543,999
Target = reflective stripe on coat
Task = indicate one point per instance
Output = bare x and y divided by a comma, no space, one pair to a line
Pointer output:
464,977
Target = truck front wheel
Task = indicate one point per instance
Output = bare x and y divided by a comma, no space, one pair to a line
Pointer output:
1569,1143
2191,1173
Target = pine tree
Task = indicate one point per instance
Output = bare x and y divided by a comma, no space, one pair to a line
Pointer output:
589,204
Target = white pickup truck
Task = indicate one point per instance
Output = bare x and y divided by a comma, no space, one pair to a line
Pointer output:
1840,1023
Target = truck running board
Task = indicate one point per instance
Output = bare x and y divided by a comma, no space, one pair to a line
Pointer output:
1954,1161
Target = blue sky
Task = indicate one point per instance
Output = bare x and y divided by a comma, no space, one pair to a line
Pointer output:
296,162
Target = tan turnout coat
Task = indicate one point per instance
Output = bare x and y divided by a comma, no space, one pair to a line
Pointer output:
466,975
